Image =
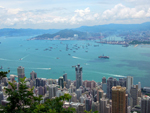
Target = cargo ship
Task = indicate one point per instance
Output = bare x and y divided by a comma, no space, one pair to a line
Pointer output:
106,57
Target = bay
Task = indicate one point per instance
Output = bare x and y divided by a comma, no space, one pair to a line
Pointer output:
123,61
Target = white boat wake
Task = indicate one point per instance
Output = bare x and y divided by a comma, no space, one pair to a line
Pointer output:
42,68
4,59
109,74
78,58
23,57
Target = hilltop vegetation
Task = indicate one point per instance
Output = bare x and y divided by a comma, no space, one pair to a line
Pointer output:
61,34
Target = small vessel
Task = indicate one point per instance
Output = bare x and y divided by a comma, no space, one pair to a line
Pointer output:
1,67
106,57
20,59
74,66
68,54
57,58
86,51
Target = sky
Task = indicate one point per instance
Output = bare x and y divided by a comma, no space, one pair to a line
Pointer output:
61,14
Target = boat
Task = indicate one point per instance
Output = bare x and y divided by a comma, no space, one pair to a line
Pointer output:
74,66
68,54
1,67
105,57
20,59
57,58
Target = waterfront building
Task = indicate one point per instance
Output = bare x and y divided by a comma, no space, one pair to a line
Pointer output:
65,77
110,84
78,70
20,73
33,75
139,85
122,82
61,82
129,84
104,87
118,99
103,80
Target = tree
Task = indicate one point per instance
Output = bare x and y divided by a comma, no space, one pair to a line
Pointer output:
3,74
24,101
20,100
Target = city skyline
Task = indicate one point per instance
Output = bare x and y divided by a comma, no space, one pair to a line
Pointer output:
71,14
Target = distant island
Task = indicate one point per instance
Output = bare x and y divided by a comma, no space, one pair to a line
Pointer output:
67,34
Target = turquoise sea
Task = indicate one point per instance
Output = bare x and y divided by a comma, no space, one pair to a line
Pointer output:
124,61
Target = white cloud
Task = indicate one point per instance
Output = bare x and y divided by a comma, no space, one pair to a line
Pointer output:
122,12
82,12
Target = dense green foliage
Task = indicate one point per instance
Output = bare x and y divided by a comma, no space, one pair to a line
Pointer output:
3,74
22,100
139,42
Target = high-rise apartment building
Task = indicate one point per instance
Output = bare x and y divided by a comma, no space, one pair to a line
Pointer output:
20,72
103,80
88,103
118,99
99,94
65,77
129,83
33,75
103,103
145,104
134,95
52,91
61,82
78,70
110,84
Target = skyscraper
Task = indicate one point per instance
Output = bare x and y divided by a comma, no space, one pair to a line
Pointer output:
118,99
110,84
33,75
20,71
103,103
52,91
88,103
61,82
145,104
65,77
103,80
78,70
99,94
129,83
134,95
